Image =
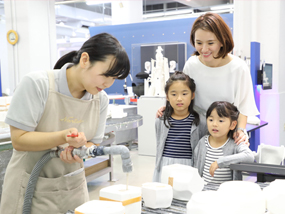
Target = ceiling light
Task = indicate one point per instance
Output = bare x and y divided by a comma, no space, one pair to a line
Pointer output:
223,7
179,12
95,2
168,13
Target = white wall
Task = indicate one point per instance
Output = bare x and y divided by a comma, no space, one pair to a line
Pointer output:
127,12
3,58
281,78
34,21
263,22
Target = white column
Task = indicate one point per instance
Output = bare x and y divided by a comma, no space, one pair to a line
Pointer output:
34,21
263,22
4,58
127,12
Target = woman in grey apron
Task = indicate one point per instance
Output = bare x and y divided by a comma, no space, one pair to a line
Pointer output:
47,107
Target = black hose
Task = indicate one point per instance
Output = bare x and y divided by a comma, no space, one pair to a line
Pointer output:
34,178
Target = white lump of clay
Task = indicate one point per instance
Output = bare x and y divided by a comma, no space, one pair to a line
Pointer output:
100,207
206,202
275,197
185,180
242,197
130,198
157,195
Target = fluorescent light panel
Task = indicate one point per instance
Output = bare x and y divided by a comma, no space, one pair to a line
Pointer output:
222,7
95,2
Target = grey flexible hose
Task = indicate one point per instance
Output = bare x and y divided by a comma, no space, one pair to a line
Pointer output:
82,152
34,178
125,155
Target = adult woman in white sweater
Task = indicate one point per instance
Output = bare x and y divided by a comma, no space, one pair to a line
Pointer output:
219,76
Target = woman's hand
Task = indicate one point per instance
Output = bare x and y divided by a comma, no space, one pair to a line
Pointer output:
74,138
160,111
66,156
240,137
213,168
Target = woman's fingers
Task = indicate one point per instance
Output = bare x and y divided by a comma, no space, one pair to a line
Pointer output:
239,137
77,140
66,156
160,111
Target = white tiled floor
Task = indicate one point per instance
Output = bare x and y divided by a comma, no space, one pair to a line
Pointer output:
143,167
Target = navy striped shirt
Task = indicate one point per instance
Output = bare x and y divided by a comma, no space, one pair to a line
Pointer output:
177,144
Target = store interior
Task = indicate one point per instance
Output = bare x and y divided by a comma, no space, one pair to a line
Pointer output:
46,30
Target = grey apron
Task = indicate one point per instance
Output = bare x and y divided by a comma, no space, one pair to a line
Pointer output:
54,192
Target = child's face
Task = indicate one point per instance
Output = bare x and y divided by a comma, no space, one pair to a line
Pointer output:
180,96
219,127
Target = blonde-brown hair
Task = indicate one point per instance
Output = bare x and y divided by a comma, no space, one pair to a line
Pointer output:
214,23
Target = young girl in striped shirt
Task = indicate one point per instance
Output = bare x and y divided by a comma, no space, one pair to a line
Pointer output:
216,151
178,131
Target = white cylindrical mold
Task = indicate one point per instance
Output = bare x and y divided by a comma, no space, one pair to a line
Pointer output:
130,198
157,195
275,197
244,196
100,207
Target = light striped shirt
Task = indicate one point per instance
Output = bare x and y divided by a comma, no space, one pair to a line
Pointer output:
221,174
177,144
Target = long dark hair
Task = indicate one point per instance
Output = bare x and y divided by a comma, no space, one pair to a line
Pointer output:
98,48
225,109
179,76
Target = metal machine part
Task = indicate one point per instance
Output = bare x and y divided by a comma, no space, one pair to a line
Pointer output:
93,151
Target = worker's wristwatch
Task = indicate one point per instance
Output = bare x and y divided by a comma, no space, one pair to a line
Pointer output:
244,131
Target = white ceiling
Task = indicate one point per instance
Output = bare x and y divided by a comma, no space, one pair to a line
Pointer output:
79,16
73,17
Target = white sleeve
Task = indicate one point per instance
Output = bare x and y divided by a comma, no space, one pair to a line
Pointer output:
186,68
244,99
104,102
28,102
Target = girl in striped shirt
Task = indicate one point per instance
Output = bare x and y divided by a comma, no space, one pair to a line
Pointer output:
216,151
178,131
